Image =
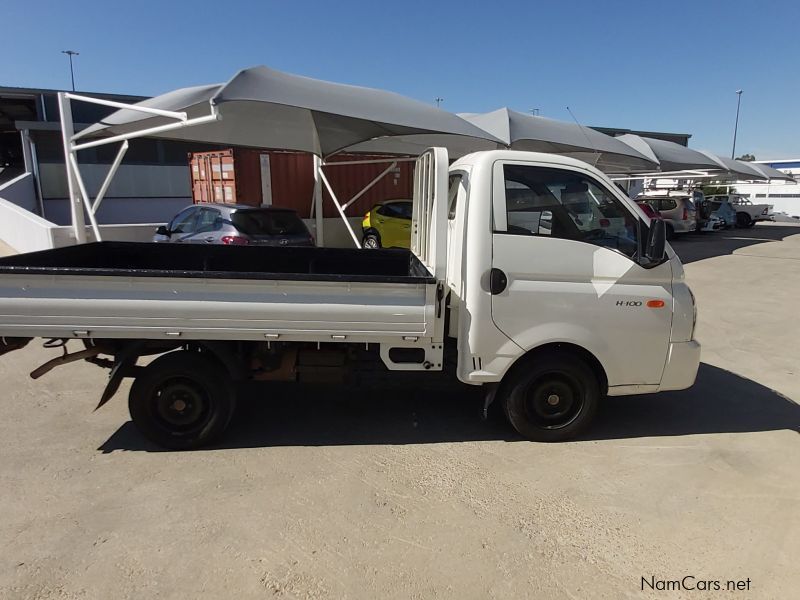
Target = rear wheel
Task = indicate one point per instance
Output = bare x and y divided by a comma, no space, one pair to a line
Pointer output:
371,241
551,398
182,400
743,220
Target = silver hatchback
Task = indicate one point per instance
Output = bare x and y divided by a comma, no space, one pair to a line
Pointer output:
235,224
678,212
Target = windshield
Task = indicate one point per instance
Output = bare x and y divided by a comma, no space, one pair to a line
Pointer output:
268,222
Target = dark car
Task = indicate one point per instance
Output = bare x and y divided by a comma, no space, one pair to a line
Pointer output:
235,225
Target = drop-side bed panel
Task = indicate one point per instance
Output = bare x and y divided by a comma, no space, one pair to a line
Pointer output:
58,296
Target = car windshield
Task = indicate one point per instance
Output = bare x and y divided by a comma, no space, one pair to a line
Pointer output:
268,222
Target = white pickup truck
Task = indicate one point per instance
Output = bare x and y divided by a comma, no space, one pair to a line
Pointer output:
505,285
747,213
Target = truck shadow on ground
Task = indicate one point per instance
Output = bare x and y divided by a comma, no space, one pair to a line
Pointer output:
692,247
720,402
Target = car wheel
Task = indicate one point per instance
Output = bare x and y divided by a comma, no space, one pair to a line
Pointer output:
743,220
552,399
371,241
182,400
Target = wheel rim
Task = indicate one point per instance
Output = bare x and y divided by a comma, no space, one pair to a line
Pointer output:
181,406
370,242
554,401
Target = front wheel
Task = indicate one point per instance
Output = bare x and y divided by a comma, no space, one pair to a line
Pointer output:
371,241
182,400
743,220
551,399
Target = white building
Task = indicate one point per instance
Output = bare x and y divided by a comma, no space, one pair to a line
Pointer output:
784,196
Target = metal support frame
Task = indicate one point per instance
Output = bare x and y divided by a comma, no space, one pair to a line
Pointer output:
80,201
319,176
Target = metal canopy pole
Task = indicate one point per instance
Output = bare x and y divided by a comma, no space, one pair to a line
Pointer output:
318,216
339,208
75,203
370,185
111,172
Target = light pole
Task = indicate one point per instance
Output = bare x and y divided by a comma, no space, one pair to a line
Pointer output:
438,101
736,127
71,53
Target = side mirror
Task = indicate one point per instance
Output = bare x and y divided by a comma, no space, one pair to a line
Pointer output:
653,252
162,230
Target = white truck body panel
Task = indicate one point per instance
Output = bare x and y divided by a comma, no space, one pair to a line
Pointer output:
58,306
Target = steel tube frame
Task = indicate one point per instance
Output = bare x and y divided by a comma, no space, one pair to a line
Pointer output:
325,181
111,172
79,196
75,203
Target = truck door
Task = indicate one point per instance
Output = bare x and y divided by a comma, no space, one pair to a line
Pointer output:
429,211
564,270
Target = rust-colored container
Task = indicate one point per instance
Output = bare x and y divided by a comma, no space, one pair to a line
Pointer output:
286,179
231,176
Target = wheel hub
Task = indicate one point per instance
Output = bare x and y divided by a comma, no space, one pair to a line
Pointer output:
181,403
553,399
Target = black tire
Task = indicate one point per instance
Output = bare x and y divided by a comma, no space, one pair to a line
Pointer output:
670,232
534,390
371,241
182,400
743,220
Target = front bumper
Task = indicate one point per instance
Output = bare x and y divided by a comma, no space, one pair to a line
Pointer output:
680,371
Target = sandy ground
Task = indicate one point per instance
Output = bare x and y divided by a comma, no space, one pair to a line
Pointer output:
324,495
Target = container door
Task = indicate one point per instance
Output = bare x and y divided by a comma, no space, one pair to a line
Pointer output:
429,213
564,270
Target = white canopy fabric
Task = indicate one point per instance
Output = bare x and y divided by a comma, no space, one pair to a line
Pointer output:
265,108
770,173
736,168
669,155
539,134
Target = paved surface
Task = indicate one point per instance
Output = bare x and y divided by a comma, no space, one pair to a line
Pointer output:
326,496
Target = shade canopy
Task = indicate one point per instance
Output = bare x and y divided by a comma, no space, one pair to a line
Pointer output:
669,155
736,168
265,108
770,173
539,134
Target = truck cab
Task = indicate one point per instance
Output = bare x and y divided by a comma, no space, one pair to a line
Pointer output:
533,282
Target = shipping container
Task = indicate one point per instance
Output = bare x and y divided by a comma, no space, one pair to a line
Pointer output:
286,180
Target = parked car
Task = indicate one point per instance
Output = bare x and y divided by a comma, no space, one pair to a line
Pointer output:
747,213
235,224
388,225
678,212
649,210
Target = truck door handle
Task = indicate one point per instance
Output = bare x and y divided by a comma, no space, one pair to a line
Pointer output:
497,281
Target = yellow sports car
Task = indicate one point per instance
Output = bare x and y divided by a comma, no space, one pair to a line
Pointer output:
388,225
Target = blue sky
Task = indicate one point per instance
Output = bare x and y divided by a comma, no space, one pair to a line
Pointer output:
667,66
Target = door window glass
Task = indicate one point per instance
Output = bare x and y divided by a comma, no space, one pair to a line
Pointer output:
184,222
567,205
668,204
209,220
452,195
396,210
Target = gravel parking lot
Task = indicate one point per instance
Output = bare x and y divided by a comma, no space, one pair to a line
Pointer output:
409,495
